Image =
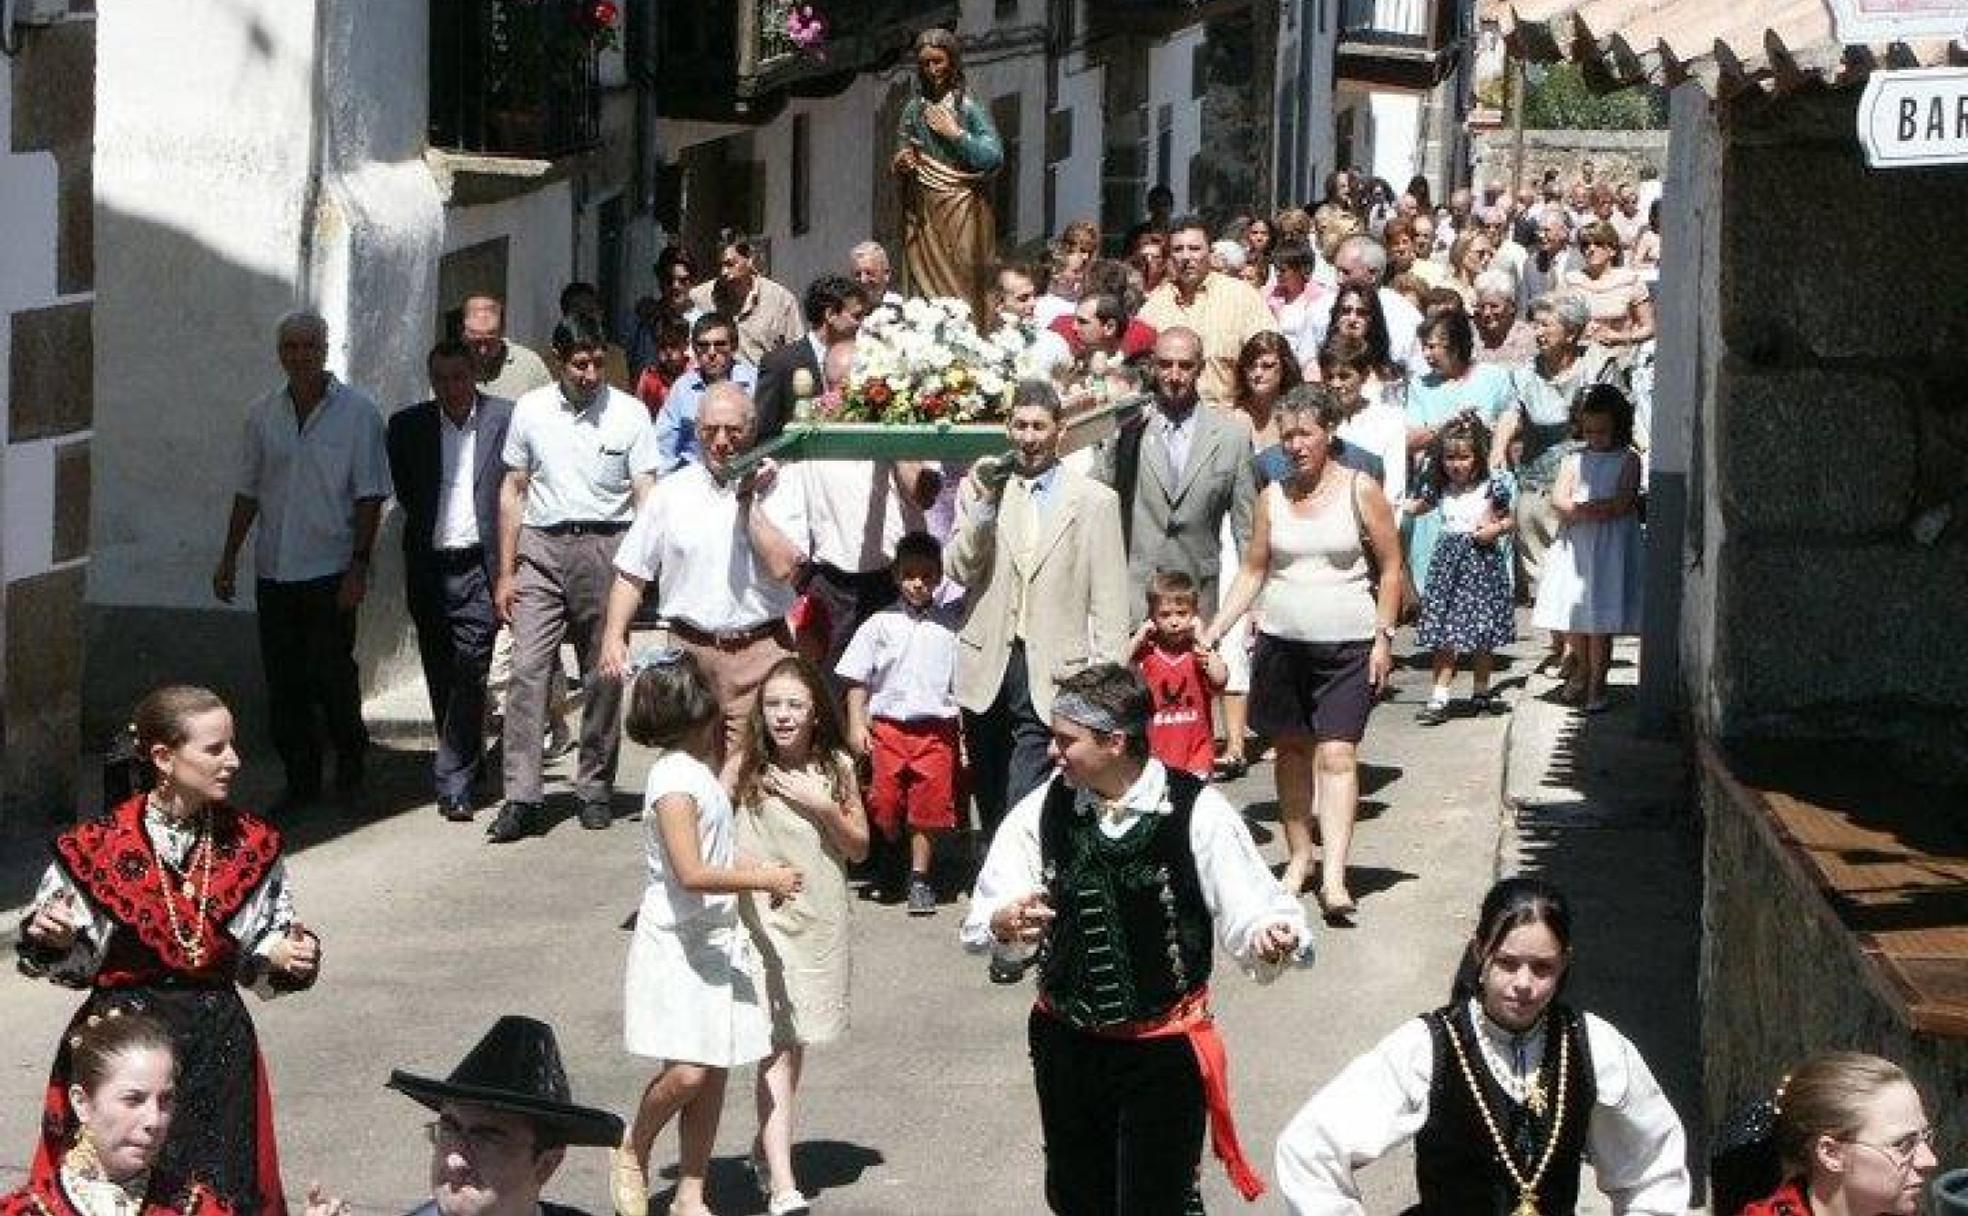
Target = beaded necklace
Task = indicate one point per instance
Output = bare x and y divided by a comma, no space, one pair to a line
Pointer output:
1526,1187
192,940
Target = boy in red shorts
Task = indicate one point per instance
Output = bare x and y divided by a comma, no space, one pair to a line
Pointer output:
1183,678
901,713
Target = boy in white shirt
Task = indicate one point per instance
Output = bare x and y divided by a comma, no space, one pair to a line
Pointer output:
902,715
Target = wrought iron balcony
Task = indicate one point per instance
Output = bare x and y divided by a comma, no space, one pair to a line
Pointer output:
516,78
736,60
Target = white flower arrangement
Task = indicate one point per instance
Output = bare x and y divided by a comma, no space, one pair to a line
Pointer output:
924,362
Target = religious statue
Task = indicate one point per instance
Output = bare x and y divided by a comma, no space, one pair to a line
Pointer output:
948,150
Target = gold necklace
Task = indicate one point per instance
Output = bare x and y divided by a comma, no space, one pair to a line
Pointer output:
1526,1188
192,942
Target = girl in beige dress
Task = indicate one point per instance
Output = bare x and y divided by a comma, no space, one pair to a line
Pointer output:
798,803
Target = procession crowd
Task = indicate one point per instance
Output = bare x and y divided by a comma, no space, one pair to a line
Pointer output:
1243,458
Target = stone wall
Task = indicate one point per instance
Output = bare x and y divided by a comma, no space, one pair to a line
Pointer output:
1615,155
47,408
1783,979
1840,435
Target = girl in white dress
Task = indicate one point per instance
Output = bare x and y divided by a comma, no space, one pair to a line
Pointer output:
691,995
1590,588
1504,1091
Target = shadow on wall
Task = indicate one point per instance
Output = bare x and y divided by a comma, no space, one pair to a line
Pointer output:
1629,859
165,456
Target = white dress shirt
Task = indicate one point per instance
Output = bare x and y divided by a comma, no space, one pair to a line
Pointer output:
581,463
1379,429
1178,433
1380,1100
308,479
908,662
457,478
691,539
1242,896
854,513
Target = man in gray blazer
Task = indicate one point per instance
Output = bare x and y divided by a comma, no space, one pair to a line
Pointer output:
444,459
1179,469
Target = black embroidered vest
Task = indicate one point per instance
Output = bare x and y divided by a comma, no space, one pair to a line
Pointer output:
1131,935
1457,1171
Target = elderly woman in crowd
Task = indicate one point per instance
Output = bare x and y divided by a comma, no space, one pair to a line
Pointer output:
1469,257
1622,312
1455,387
1324,633
1540,428
1501,337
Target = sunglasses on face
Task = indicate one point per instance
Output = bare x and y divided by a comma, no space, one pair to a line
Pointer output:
712,344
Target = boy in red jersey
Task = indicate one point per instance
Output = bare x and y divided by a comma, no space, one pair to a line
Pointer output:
1183,678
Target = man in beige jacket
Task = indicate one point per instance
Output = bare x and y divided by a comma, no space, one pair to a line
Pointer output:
1038,549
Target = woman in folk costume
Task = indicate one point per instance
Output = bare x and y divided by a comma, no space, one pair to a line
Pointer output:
947,152
1503,1091
166,907
123,1093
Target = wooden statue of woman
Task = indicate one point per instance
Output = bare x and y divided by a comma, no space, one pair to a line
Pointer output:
948,151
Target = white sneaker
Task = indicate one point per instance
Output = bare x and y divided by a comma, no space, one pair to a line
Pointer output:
787,1203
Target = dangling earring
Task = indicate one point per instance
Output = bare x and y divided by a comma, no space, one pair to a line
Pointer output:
83,1158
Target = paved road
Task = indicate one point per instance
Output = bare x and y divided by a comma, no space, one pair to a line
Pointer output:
927,1107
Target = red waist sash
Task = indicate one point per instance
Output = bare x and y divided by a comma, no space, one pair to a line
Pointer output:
1191,1019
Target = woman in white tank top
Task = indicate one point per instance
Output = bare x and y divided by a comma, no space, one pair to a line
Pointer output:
1319,542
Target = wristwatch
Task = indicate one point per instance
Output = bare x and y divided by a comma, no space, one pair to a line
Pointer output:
1386,631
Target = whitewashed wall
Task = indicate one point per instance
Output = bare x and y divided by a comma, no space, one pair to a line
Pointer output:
1387,132
1171,77
1080,90
538,253
843,150
207,112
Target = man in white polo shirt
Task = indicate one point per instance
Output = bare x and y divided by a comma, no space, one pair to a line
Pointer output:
313,474
579,455
724,560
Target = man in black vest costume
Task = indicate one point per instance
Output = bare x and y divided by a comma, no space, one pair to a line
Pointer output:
505,1118
1123,874
1503,1091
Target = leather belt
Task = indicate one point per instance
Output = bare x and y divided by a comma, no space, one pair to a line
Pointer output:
728,639
582,527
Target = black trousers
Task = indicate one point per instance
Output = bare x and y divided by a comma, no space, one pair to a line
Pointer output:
1008,746
451,604
1123,1121
849,599
307,649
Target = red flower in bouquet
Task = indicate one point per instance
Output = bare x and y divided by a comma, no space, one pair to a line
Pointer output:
877,393
603,14
935,405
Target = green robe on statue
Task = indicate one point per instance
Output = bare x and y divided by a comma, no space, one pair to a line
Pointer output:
950,236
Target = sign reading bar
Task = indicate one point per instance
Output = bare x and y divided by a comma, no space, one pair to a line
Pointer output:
1859,22
1918,116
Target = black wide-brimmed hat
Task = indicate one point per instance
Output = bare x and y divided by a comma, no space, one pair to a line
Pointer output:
516,1067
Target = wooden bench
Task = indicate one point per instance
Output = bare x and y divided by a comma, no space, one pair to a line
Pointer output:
1890,858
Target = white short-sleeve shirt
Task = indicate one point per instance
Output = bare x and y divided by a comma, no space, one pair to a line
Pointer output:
666,903
307,479
908,662
691,539
581,463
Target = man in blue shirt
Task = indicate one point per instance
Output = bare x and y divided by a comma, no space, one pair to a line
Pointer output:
714,347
